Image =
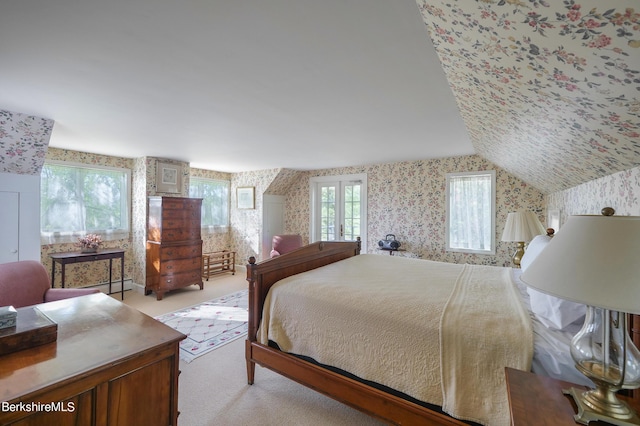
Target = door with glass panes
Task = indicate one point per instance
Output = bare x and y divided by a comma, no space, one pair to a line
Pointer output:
339,208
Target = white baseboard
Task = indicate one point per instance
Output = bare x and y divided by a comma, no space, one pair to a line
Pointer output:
115,286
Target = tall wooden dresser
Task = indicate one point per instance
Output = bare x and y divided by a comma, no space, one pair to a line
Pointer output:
174,244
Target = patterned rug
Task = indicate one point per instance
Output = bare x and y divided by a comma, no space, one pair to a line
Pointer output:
209,325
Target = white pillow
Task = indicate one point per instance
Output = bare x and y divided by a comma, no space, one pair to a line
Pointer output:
553,312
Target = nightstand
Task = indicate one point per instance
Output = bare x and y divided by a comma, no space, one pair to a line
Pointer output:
538,400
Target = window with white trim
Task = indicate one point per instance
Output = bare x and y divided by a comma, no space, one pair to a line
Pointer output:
471,205
76,199
215,201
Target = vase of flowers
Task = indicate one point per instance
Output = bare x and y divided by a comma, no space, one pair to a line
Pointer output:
89,243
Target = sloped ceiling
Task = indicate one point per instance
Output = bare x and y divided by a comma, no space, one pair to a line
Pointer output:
23,142
550,91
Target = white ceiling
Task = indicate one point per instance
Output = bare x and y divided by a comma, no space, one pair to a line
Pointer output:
232,85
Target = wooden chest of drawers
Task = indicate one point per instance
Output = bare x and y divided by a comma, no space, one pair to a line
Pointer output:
174,244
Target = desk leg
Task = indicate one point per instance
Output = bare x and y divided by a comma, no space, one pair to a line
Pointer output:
53,273
62,266
110,273
122,277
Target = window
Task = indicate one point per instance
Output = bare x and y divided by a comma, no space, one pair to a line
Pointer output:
76,199
471,212
215,201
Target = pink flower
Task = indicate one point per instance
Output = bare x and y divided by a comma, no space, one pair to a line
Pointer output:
592,23
600,41
574,15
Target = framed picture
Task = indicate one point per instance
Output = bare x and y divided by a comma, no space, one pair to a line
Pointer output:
168,178
246,197
553,219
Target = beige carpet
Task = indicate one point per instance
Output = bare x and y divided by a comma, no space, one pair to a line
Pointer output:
213,388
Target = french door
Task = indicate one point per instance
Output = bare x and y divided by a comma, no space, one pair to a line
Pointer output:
338,208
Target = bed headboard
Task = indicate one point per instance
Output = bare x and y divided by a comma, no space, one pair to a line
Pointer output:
262,275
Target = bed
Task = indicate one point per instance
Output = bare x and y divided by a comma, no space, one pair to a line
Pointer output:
408,393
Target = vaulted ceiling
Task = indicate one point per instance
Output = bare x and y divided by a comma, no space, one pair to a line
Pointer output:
549,92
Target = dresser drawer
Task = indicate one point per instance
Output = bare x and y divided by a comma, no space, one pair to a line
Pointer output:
170,204
191,224
181,251
180,265
180,234
171,281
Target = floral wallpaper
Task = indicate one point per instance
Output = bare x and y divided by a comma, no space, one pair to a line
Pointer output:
23,142
283,181
555,84
620,190
408,199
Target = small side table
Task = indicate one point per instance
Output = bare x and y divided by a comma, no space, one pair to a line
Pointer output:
76,257
536,400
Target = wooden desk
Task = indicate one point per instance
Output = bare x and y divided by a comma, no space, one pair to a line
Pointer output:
76,257
536,400
110,365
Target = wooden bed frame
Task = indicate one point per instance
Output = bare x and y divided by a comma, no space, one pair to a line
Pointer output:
375,402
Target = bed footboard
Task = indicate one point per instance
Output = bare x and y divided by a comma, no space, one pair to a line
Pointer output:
262,275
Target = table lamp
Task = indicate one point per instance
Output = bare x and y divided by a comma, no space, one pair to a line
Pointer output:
594,260
521,227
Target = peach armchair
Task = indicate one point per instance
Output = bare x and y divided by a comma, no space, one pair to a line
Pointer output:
282,244
26,283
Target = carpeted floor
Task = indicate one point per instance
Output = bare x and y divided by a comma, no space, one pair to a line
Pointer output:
213,389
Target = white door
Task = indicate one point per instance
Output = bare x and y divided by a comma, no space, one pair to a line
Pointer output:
339,208
272,221
9,215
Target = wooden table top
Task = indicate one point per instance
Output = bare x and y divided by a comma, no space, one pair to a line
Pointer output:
76,254
94,332
538,400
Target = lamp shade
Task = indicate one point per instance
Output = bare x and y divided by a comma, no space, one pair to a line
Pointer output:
522,226
592,260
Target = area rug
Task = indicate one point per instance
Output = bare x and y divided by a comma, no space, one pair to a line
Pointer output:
209,325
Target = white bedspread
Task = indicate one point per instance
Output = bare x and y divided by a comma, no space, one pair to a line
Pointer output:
378,317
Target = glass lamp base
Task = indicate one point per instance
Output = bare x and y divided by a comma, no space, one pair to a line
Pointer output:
613,411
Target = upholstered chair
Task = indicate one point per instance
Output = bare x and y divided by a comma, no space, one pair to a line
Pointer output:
26,283
282,244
